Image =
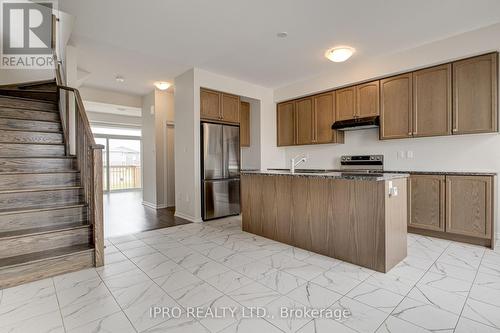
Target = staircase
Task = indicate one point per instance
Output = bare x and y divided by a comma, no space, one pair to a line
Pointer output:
48,199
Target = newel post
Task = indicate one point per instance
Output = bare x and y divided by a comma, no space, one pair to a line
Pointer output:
97,210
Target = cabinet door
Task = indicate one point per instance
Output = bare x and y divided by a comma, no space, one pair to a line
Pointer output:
345,103
396,107
230,108
304,121
245,124
475,108
368,99
286,124
324,117
432,101
469,206
210,104
426,202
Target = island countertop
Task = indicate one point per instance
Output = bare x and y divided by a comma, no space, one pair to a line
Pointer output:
329,174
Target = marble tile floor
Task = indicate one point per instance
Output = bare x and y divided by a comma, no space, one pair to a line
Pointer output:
442,286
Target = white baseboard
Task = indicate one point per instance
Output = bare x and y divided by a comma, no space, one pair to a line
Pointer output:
154,206
188,217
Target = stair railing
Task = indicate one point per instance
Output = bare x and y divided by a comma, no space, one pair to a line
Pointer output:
80,142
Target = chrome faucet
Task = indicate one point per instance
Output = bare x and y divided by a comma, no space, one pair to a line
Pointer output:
294,162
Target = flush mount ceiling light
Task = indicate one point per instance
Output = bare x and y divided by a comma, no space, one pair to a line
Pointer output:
120,79
339,53
162,85
282,34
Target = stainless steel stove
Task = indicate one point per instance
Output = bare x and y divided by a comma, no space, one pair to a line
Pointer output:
362,164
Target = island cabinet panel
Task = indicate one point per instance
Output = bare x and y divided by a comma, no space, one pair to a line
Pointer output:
245,124
304,121
396,107
367,100
475,89
426,202
469,206
345,103
286,124
210,104
432,104
352,220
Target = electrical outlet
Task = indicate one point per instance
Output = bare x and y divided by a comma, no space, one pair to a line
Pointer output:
401,155
409,154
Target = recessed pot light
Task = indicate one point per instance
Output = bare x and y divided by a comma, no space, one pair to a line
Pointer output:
339,53
120,79
282,34
162,85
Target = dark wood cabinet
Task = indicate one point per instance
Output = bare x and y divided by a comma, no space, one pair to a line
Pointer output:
432,101
367,100
426,202
219,106
304,121
469,206
475,89
285,115
396,97
245,124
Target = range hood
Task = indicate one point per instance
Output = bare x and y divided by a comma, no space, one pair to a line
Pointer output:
356,124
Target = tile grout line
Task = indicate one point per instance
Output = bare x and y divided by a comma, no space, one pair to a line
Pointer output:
413,286
468,294
58,304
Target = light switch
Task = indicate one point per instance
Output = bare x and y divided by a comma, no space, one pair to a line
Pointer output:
401,155
409,154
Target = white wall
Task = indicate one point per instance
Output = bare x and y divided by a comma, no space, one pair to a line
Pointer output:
453,153
250,156
148,151
109,97
187,132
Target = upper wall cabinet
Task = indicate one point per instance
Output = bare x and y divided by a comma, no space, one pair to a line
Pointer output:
285,115
245,124
432,101
304,121
345,105
210,104
308,121
324,117
358,101
219,106
475,89
367,100
396,107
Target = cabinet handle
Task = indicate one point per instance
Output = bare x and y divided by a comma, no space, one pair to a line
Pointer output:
409,133
454,130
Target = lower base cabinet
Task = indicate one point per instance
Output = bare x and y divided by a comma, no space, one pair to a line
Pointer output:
455,207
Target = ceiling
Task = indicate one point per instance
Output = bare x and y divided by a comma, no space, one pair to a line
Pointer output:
147,41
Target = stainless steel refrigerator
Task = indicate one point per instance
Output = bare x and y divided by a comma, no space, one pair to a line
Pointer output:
220,165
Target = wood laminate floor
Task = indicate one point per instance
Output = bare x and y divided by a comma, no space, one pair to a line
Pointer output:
125,214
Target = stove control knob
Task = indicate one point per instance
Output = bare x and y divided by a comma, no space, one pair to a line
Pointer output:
372,158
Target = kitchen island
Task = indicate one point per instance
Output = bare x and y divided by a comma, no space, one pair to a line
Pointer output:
358,218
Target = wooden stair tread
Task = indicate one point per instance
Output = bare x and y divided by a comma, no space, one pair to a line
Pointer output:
29,130
47,121
41,189
31,209
9,262
26,99
49,157
33,143
38,172
42,230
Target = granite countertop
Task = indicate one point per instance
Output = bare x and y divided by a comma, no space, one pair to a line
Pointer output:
413,172
329,174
